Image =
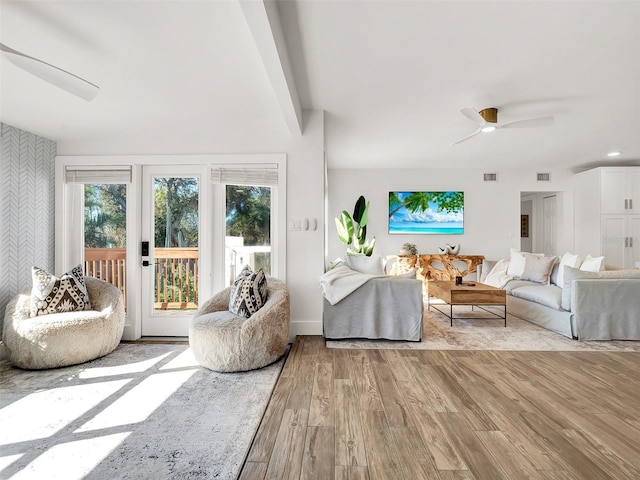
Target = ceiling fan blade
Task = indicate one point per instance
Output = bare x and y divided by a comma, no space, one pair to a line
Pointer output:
467,137
471,114
52,74
533,122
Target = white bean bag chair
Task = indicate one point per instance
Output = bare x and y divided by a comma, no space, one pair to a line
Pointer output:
62,339
225,342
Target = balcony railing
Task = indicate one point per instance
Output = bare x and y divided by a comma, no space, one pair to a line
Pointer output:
176,274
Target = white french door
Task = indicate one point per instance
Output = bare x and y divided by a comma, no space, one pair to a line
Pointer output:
202,221
173,229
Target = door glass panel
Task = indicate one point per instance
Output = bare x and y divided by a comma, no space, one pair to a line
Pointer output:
176,222
248,230
105,229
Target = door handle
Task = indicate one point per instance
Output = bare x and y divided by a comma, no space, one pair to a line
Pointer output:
626,204
631,204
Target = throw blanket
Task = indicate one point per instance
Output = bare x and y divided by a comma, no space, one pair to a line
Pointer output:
498,276
336,284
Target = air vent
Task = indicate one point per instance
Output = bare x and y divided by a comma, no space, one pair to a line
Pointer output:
490,177
544,177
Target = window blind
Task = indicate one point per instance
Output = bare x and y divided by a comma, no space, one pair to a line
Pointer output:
263,175
78,174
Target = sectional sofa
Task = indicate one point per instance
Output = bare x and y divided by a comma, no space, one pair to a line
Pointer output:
579,304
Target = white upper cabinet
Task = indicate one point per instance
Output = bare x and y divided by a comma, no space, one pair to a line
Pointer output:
620,190
607,214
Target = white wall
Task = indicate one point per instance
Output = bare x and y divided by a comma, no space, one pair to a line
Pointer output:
305,248
492,209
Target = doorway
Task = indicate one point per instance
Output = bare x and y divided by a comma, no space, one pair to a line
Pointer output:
540,222
172,259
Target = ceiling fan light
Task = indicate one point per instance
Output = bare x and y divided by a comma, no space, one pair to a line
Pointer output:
488,128
614,154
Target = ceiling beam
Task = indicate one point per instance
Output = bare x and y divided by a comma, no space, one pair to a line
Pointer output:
263,20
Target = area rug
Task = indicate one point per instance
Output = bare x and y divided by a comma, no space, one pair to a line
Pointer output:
146,411
488,333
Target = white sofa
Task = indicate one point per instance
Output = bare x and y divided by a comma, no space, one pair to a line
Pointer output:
588,306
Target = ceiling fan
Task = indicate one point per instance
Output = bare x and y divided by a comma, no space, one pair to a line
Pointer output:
52,74
487,120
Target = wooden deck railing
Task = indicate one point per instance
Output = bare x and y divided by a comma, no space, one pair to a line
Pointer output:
107,264
176,278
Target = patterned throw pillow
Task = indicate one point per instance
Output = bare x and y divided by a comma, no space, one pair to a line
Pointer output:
248,294
51,294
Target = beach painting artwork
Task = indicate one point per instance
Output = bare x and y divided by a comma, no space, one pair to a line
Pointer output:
440,213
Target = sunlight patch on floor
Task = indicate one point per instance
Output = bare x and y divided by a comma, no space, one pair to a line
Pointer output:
72,460
47,415
134,367
140,402
185,359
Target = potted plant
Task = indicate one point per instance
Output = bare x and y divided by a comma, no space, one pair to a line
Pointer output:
409,249
352,231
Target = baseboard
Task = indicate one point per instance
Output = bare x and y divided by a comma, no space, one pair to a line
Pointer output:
305,328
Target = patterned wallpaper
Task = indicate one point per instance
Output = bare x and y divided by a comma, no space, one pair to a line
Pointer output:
26,209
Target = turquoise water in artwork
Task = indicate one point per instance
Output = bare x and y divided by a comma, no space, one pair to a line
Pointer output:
453,228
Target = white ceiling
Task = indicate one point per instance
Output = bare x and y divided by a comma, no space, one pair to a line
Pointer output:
187,77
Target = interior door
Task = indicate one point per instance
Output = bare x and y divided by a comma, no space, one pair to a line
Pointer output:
172,258
549,225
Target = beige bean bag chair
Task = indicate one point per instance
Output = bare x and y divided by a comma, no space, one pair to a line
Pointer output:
62,339
226,342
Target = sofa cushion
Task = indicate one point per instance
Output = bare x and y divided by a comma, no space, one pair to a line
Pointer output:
548,295
51,294
517,283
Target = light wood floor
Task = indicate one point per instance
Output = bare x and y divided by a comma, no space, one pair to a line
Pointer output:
445,415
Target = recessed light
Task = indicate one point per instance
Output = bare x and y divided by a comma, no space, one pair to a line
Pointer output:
488,129
613,154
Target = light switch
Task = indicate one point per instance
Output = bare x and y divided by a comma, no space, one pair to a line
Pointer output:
294,225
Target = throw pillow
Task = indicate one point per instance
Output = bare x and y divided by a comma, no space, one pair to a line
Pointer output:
363,264
517,260
538,269
51,294
248,294
592,264
567,260
246,271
